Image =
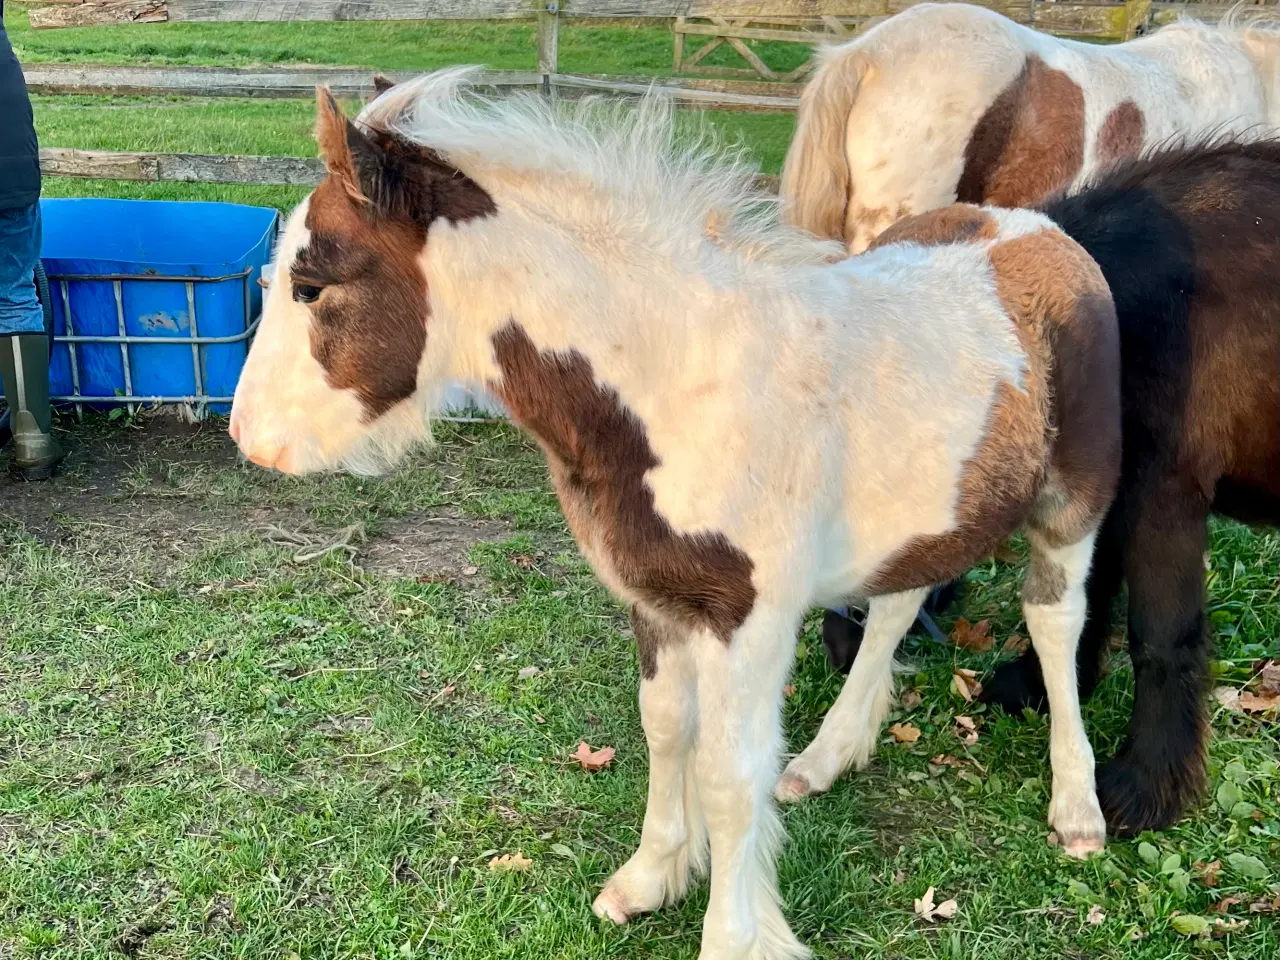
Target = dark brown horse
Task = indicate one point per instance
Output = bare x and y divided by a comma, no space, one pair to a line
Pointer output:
1189,240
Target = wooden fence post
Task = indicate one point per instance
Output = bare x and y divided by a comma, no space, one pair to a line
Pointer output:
1136,13
548,41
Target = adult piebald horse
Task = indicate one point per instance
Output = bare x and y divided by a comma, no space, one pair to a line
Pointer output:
948,102
684,363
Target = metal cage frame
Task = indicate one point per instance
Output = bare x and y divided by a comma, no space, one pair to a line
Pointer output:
200,400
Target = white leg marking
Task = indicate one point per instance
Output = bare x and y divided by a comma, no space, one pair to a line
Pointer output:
736,760
673,841
849,731
1055,632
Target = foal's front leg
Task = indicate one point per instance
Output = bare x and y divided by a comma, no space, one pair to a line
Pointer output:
736,761
848,734
1054,605
673,841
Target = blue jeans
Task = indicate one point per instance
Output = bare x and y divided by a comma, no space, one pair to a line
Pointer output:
20,310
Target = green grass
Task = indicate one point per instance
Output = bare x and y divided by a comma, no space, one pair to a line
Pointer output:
209,749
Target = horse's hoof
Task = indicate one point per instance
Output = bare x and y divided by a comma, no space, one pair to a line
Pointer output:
1135,798
792,787
609,905
1016,686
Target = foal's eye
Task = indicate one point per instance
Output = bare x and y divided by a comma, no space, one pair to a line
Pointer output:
306,293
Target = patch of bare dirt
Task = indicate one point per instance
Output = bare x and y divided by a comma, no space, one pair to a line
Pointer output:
430,546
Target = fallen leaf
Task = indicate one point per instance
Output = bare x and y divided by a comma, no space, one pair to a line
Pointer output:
905,732
1225,904
593,760
470,571
1053,839
966,730
1095,915
975,637
510,863
789,690
1207,872
926,910
1266,906
911,698
900,876
1016,644
965,684
942,760
447,691
1252,703
527,673
1267,680
538,718
1227,697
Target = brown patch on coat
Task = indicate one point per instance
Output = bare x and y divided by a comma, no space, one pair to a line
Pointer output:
1048,279
368,221
1046,581
598,456
1029,144
652,634
959,223
1122,133
1050,453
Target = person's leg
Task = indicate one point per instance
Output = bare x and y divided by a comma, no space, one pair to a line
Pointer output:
24,344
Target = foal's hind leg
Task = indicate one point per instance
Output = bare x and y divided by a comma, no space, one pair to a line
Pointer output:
1019,684
1053,602
673,841
1160,768
850,728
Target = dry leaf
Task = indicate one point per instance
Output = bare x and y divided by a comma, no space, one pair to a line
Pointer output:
967,731
926,910
527,673
965,684
1016,644
510,863
1252,703
1227,697
1222,927
447,691
789,689
1095,915
593,760
900,876
1266,906
1208,872
975,637
942,760
905,732
1225,904
1053,839
1267,681
470,571
911,698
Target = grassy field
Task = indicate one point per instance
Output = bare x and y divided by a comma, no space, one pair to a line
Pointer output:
245,716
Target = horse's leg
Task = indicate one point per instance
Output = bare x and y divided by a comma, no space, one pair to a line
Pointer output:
1019,684
736,761
1160,768
1053,602
673,840
849,730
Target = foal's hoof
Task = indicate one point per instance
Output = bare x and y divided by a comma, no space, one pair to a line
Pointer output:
1079,824
793,787
1135,797
611,906
1015,686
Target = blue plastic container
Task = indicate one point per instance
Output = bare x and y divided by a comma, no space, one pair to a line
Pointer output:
154,301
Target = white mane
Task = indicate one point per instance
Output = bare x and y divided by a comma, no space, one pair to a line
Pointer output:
685,183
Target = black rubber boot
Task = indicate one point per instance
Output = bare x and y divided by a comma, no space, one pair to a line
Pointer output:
24,368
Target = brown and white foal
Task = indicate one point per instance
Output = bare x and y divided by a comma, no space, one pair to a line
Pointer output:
737,428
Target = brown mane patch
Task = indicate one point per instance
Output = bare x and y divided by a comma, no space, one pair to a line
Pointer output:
1122,133
1029,144
598,456
959,223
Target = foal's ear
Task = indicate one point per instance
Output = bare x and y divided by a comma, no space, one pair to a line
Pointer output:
333,134
381,84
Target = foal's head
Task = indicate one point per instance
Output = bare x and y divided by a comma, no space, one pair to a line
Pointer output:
333,376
